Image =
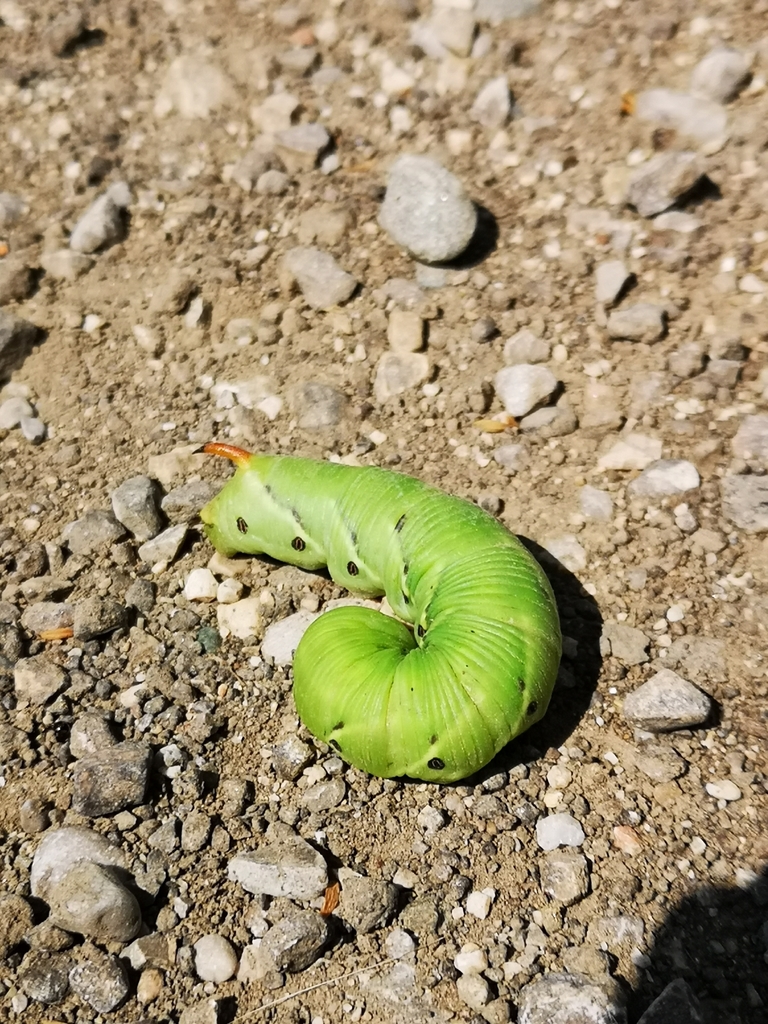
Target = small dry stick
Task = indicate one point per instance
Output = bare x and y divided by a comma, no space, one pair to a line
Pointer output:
313,988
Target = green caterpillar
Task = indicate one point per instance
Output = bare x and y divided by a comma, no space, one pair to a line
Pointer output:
472,659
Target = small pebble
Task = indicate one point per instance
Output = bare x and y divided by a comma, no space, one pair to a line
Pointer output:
215,959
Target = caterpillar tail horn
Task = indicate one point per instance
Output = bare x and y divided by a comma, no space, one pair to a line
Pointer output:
239,456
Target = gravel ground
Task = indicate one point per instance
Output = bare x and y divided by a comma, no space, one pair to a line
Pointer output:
515,248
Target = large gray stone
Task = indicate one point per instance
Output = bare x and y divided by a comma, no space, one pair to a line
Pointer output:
427,210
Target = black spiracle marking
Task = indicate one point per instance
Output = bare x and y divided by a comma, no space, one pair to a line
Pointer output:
406,599
436,764
521,684
352,569
432,740
339,725
400,523
242,525
533,707
298,544
420,630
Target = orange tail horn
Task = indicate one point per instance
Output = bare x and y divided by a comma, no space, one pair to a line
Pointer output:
239,456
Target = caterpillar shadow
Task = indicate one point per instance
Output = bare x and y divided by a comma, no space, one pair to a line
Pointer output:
711,949
581,624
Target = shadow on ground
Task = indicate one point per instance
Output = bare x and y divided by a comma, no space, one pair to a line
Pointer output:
714,941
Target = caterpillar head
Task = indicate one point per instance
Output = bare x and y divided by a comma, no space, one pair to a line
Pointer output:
217,522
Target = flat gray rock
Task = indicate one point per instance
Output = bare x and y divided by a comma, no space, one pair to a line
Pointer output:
627,644
564,876
427,210
745,502
526,347
497,11
317,405
666,702
611,278
666,476
662,181
103,223
321,280
751,439
367,903
398,372
644,321
571,998
296,941
289,867
100,981
92,534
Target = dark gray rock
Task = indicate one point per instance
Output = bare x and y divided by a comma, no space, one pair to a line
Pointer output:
296,941
111,780
95,616
135,504
183,503
93,534
44,977
676,1003
17,336
100,980
367,903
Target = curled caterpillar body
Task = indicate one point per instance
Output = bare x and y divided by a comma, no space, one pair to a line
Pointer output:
473,658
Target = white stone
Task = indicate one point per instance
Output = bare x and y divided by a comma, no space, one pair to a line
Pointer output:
610,279
215,959
399,944
493,103
634,451
242,619
521,388
567,550
723,789
721,74
430,820
479,903
558,830
194,88
471,960
595,504
698,118
200,585
229,591
282,638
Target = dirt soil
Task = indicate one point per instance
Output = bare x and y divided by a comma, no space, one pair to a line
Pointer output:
136,366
